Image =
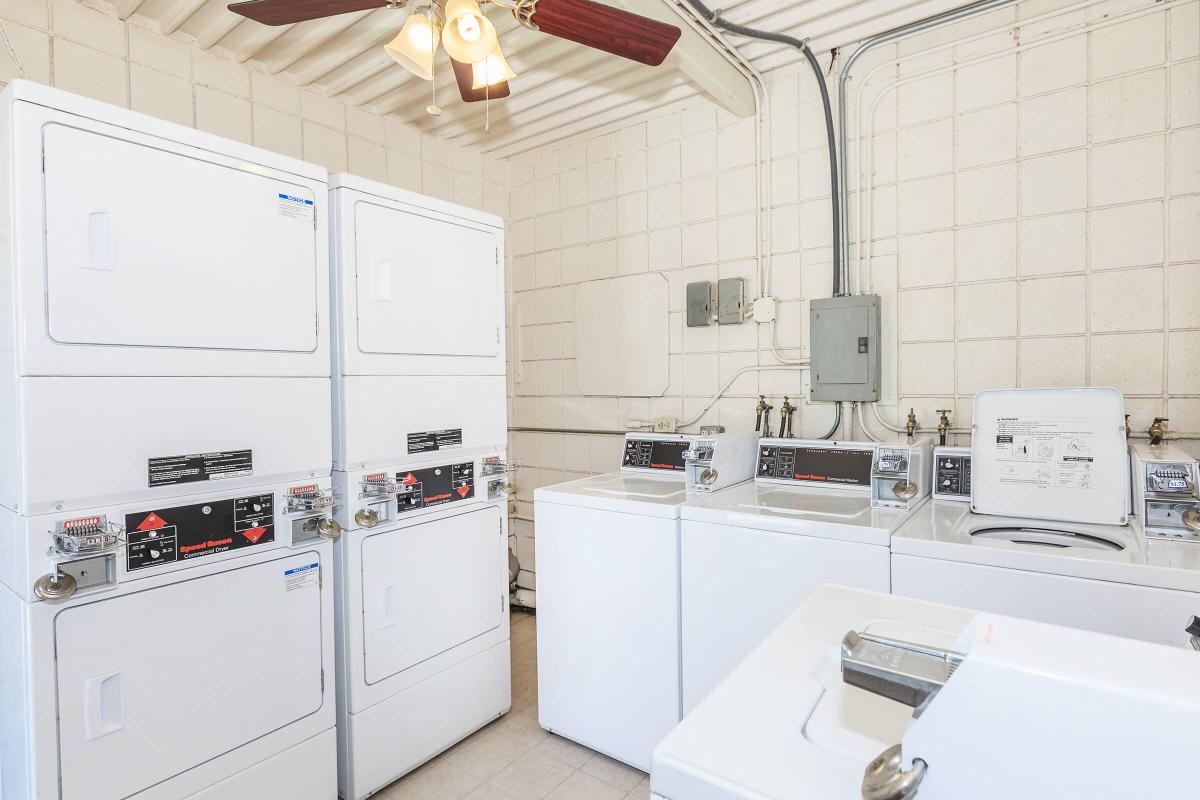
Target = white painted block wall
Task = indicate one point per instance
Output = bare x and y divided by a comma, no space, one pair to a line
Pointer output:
1036,222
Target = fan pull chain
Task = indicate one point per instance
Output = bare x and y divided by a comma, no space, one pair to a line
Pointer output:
432,108
487,107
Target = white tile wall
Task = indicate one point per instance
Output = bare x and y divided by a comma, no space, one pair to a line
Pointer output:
1035,222
67,44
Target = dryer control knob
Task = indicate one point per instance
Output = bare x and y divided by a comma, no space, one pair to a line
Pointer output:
329,528
55,588
367,517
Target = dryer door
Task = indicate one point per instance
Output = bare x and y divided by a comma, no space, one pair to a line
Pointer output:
429,587
146,247
155,682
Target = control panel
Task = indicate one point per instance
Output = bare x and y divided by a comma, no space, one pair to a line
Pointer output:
815,462
952,473
1165,491
166,535
655,453
435,486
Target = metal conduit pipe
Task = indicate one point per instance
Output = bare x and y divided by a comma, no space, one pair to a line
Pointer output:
842,230
715,19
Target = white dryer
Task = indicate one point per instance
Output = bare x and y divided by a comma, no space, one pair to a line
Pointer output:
608,601
753,553
1107,578
159,650
164,295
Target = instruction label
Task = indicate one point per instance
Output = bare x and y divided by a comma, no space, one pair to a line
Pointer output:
299,577
1045,451
221,465
296,207
429,441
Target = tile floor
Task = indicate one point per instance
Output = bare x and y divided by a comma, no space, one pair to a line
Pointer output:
514,759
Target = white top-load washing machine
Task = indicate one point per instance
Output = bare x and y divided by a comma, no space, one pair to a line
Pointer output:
164,595
608,592
1059,544
420,432
164,295
858,694
817,512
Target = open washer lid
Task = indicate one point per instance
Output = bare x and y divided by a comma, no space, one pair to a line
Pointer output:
1054,454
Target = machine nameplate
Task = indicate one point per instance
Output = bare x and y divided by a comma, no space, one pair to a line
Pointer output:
435,486
431,441
167,535
817,465
222,465
655,454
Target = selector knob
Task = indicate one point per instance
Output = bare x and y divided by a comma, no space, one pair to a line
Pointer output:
329,528
366,517
55,588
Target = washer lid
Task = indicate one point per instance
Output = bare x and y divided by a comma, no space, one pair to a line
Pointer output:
1056,454
649,495
1044,537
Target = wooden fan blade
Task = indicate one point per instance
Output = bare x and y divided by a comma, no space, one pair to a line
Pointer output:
606,28
285,12
464,77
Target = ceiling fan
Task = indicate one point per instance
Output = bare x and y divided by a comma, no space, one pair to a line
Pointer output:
469,37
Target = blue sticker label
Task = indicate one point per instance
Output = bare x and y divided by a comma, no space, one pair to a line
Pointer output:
295,570
292,199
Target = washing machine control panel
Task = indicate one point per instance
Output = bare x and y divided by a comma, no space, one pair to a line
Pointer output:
160,536
846,464
952,473
435,486
655,455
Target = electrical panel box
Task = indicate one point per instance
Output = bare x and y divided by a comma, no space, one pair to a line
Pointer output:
844,348
731,301
700,302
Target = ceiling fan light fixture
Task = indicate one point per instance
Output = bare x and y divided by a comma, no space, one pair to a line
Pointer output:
492,70
469,36
413,47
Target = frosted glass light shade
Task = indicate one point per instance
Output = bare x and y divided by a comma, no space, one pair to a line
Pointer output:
491,70
469,36
413,46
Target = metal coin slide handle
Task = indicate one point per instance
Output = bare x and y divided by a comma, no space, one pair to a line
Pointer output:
55,588
1191,519
886,779
367,517
329,528
905,490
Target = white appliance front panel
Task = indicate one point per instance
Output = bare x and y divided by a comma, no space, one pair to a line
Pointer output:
608,628
737,584
377,414
152,683
149,248
426,286
1121,609
428,588
101,455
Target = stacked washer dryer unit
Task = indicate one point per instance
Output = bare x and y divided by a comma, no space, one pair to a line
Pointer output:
817,512
419,433
1048,533
165,451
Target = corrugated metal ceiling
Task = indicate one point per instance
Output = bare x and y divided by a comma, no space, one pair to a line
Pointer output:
562,87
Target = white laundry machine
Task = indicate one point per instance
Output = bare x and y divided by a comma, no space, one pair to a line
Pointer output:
165,299
814,514
419,439
1092,566
858,694
184,649
608,593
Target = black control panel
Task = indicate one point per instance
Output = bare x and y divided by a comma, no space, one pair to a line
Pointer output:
167,535
817,465
655,454
953,476
435,486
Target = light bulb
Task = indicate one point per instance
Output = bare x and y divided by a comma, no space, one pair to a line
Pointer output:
468,28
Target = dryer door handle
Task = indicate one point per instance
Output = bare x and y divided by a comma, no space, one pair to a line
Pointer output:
103,705
391,606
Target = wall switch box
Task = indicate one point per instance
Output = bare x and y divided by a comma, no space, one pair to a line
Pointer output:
700,302
731,301
764,309
665,425
844,348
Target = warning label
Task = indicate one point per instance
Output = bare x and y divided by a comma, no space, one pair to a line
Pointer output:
296,207
1047,452
299,577
172,470
429,441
